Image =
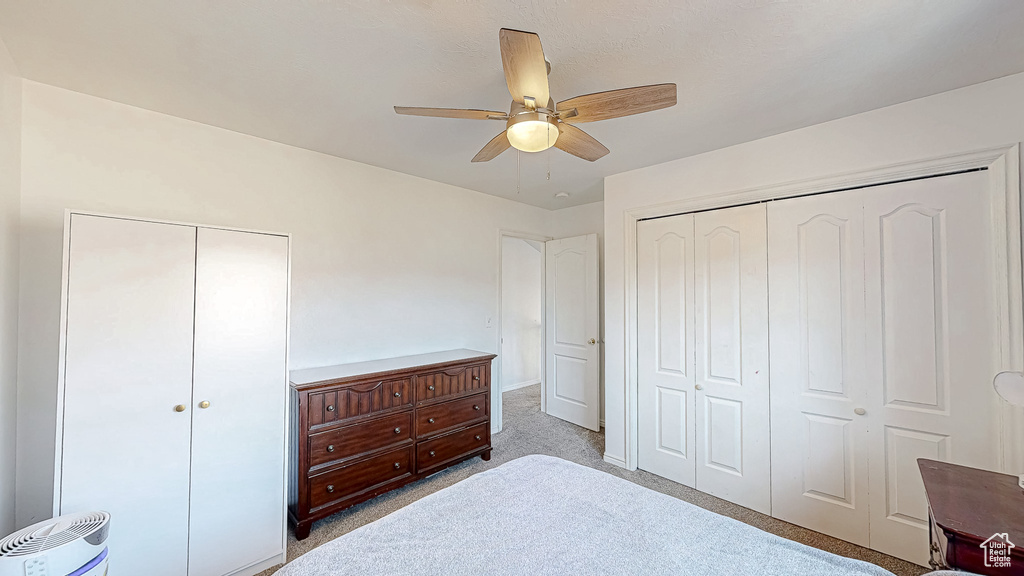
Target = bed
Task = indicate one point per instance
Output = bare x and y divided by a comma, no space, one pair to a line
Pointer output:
544,515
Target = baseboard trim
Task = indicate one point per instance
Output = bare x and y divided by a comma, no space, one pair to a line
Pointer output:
258,567
519,385
616,461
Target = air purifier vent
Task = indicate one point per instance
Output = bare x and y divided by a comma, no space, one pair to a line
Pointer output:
55,533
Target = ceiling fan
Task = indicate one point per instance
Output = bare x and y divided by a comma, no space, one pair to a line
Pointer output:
534,122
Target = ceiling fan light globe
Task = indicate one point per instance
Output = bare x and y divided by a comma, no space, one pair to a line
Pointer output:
532,132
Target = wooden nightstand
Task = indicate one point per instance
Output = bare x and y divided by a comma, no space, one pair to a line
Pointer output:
967,508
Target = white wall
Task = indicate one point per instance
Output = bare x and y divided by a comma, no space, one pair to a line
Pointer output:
977,117
384,263
522,292
10,183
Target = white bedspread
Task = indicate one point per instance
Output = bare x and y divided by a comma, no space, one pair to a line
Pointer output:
544,515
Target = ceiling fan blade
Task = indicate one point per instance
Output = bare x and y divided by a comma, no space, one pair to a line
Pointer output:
496,146
450,113
618,103
526,71
578,143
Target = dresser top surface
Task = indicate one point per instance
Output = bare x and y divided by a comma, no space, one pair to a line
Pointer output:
971,502
309,376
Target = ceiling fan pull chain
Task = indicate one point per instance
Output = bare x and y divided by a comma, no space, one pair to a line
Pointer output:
549,157
519,170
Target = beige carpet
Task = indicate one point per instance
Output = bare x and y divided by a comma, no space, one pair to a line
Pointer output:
529,431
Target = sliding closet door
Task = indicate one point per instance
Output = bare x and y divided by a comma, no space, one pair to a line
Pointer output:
931,344
819,379
665,348
128,365
731,311
237,502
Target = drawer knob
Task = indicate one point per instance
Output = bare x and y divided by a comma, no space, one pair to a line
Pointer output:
397,465
330,487
476,377
431,453
330,408
398,394
179,408
431,387
430,420
477,436
398,430
476,407
204,404
330,448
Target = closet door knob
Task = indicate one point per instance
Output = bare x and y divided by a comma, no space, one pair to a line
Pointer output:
330,487
398,430
430,420
398,394
179,408
699,387
330,448
591,341
431,387
860,411
330,408
397,465
204,404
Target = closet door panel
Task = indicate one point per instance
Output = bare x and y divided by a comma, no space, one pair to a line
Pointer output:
731,339
931,343
665,346
237,502
816,310
128,363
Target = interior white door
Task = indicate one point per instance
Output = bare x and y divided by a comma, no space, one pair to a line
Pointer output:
128,363
819,444
931,345
731,311
572,353
665,348
237,501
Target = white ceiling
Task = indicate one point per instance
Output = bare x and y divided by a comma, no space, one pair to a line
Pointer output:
324,74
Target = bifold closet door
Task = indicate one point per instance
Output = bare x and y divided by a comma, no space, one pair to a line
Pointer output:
932,344
731,340
665,348
819,379
128,364
237,500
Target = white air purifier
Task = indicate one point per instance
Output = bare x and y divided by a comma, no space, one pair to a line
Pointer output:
71,545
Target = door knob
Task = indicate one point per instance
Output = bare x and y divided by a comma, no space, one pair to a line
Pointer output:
204,404
860,411
591,341
179,408
699,387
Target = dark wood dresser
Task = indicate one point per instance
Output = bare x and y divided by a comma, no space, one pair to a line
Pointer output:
974,515
360,430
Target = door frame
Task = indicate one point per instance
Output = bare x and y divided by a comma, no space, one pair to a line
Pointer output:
497,409
1003,165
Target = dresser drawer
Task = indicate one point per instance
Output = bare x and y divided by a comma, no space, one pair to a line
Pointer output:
355,479
452,382
440,451
362,438
355,400
452,414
